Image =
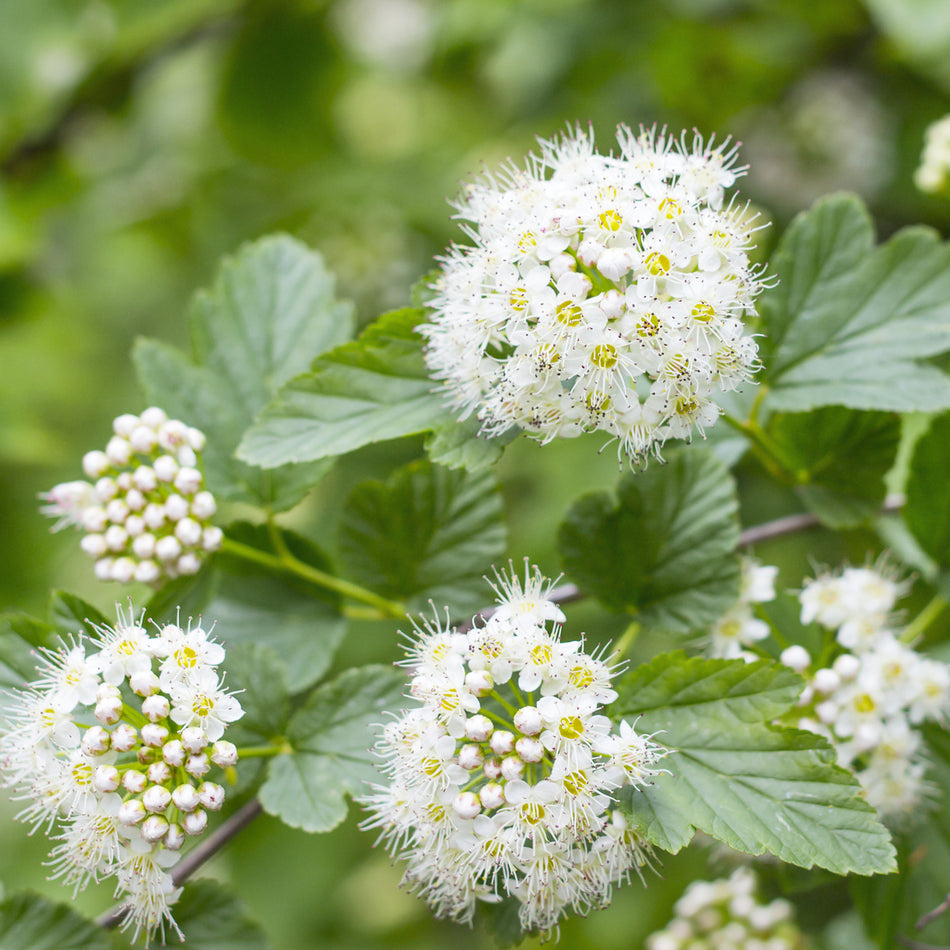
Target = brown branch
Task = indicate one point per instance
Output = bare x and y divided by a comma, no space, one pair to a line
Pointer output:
941,908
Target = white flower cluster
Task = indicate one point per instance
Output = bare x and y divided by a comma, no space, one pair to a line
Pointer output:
933,174
602,292
716,915
501,780
739,627
145,513
869,699
113,742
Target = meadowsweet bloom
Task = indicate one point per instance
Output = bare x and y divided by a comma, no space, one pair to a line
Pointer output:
739,627
601,292
933,174
113,759
727,913
144,512
869,700
501,779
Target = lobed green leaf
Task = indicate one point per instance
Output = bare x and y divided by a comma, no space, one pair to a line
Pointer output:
927,511
31,922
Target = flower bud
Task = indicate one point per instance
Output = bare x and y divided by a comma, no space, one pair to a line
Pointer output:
529,749
94,464
154,516
502,742
167,548
187,480
528,721
117,511
174,837
188,564
826,681
796,657
176,508
154,735
195,822
193,738
224,753
142,439
93,519
118,451
512,767
211,795
144,546
478,728
108,710
203,505
165,468
197,765
95,741
122,570
144,683
144,478
154,828
492,768
106,489
470,757
94,545
466,805
106,778
131,812
124,737
156,798
103,569
492,796
174,753
212,538
479,682
185,797
135,501
159,773
154,417
124,424
134,782
115,537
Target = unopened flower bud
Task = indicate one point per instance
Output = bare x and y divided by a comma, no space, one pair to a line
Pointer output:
144,683
144,478
196,439
212,538
224,753
479,682
193,738
826,681
502,742
846,666
94,545
165,468
174,753
187,480
143,439
154,417
478,728
95,741
512,767
159,773
185,797
492,768
156,798
470,757
154,515
492,795
134,782
176,508
115,537
144,545
93,519
131,812
108,711
117,511
106,489
124,737
197,765
827,711
188,564
203,505
167,548
106,778
195,822
174,837
211,795
154,828
528,721
122,570
118,451
529,749
154,735
136,501
124,424
796,657
466,805
94,464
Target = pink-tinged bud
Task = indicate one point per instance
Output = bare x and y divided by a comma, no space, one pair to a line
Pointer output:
195,822
479,682
185,798
131,812
124,737
156,798
211,795
156,707
154,735
492,768
512,766
144,683
96,741
197,765
502,742
224,753
470,757
492,796
174,837
154,828
134,782
106,778
194,739
174,753
478,728
528,721
108,711
466,805
529,749
159,773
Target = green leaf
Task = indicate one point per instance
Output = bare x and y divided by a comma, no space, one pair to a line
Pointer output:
920,30
426,533
71,614
31,922
839,457
258,671
211,918
331,736
730,774
456,445
848,321
371,390
249,603
269,313
927,511
664,550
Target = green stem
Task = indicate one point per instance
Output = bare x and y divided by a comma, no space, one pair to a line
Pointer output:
288,563
625,642
262,751
924,619
764,448
503,702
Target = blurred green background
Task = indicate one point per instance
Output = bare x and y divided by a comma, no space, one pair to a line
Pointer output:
142,139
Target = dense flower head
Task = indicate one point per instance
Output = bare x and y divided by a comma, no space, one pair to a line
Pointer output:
727,913
933,174
501,780
145,513
112,746
871,697
739,628
601,292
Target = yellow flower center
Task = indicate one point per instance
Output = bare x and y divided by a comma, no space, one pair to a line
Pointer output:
604,356
610,220
657,264
571,727
569,313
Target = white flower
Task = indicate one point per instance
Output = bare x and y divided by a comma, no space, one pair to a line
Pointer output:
127,497
933,174
602,292
492,792
202,702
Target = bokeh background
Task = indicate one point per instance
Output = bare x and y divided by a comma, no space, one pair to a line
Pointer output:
140,140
